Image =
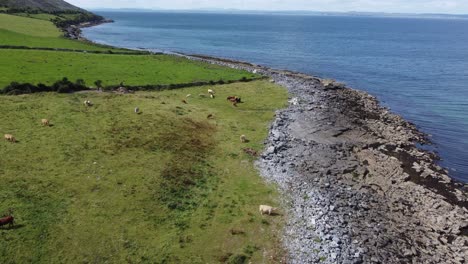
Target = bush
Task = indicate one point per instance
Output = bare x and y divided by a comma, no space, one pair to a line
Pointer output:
62,86
80,17
98,84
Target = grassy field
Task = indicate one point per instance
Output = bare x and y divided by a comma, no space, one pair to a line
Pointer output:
48,66
37,33
105,185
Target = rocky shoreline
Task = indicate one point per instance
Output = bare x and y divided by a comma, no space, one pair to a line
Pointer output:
357,189
74,31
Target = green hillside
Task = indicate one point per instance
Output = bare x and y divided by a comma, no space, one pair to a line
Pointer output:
45,5
37,33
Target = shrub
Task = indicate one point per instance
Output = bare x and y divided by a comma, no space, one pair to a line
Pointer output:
98,83
62,86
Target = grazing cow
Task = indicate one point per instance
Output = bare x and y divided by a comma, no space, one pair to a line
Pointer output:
234,99
45,122
88,103
210,91
267,209
212,96
243,139
137,110
7,220
10,138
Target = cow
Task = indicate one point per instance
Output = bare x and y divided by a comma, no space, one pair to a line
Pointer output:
243,139
234,99
88,103
10,138
210,116
45,122
184,101
7,220
267,209
210,91
137,110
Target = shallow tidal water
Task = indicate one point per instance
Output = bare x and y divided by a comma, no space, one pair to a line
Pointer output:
417,67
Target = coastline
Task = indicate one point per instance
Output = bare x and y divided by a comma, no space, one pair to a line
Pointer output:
74,31
357,188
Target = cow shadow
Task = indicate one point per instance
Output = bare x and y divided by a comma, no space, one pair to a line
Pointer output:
276,214
273,214
14,227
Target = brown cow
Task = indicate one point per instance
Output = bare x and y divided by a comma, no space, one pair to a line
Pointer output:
234,100
7,220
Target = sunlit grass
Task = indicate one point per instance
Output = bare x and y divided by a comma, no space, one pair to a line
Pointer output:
104,184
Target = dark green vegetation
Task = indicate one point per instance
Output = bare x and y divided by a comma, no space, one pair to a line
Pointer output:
60,12
42,5
103,184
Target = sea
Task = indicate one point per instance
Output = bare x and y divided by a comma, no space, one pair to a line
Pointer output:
418,67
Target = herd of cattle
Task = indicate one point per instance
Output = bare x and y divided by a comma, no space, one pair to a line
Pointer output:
264,209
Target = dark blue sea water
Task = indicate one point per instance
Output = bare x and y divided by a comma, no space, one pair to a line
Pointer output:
417,67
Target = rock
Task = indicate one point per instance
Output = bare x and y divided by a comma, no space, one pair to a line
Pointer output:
270,150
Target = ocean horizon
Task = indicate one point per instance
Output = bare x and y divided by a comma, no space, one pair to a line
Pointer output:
416,67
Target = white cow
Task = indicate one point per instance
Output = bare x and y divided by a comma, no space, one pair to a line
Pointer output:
267,209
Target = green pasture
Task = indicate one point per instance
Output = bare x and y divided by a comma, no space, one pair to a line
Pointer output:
103,184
